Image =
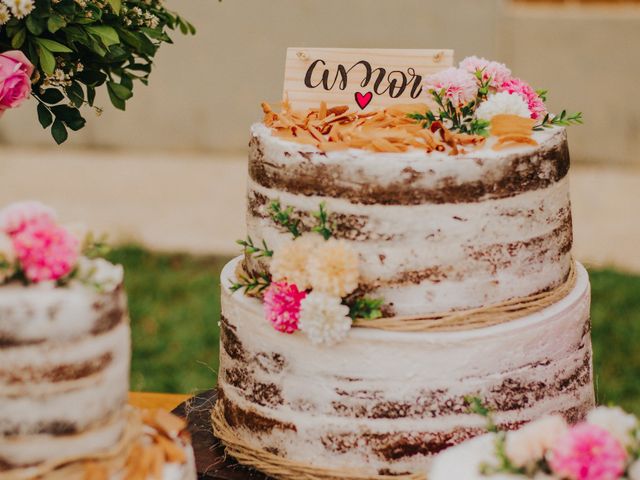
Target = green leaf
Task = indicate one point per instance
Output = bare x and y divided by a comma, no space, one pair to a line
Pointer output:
108,35
367,308
115,100
44,116
116,5
51,96
91,95
59,132
55,23
75,94
18,39
53,46
35,25
47,60
120,91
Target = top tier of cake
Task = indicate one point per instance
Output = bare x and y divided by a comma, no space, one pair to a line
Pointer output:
434,232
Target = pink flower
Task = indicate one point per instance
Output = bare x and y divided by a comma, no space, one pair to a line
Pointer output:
17,216
588,452
46,251
459,85
522,88
15,79
282,306
497,72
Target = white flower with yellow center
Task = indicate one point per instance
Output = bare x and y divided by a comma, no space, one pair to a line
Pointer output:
290,263
333,268
324,319
20,8
503,103
5,16
7,258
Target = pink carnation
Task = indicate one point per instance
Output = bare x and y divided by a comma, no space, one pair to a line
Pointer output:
17,216
282,306
522,88
496,71
46,251
459,85
588,452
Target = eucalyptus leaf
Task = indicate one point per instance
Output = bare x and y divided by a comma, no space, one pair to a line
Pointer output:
52,45
47,60
108,35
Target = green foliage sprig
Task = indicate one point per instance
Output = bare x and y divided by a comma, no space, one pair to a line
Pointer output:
251,284
563,119
95,246
323,227
250,248
367,308
284,218
78,47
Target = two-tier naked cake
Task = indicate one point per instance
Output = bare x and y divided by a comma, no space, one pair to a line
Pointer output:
64,363
399,263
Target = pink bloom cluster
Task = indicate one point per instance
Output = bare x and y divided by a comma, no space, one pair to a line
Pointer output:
45,250
282,306
495,72
588,452
15,79
458,85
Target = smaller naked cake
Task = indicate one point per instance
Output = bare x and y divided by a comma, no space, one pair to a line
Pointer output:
64,361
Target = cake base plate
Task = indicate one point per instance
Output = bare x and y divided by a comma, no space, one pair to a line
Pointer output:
212,463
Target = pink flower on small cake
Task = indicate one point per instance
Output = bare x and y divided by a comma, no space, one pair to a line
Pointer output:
15,79
495,73
17,216
535,103
456,84
46,251
282,306
588,452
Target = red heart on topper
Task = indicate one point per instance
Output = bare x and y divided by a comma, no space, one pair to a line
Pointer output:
363,100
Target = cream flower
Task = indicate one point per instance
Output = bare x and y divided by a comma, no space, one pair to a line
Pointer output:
100,273
324,318
531,442
616,421
290,263
20,8
503,103
5,16
333,268
7,257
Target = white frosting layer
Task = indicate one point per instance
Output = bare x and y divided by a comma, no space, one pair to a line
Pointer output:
382,388
431,256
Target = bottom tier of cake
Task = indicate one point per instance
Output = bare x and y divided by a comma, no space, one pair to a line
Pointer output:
386,402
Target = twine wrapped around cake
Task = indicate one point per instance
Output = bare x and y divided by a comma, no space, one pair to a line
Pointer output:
474,318
281,468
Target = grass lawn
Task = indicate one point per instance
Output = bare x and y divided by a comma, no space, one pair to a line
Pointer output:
175,305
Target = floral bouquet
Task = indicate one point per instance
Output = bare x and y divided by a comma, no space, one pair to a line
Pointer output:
35,249
606,446
62,51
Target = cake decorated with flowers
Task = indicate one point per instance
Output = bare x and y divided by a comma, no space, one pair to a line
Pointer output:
64,361
398,263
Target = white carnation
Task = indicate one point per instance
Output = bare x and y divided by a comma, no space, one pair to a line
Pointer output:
100,273
503,103
7,257
616,421
634,470
531,442
324,318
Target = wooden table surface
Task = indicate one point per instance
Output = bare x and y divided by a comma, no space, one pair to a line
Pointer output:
165,401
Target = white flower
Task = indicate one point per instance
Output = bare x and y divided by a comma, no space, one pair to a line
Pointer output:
290,262
531,442
634,470
100,273
616,421
324,318
20,8
7,257
333,268
5,16
503,103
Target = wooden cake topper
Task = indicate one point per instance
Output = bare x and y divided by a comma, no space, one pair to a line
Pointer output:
361,78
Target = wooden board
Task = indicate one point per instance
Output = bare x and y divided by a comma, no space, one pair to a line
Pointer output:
211,461
361,78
